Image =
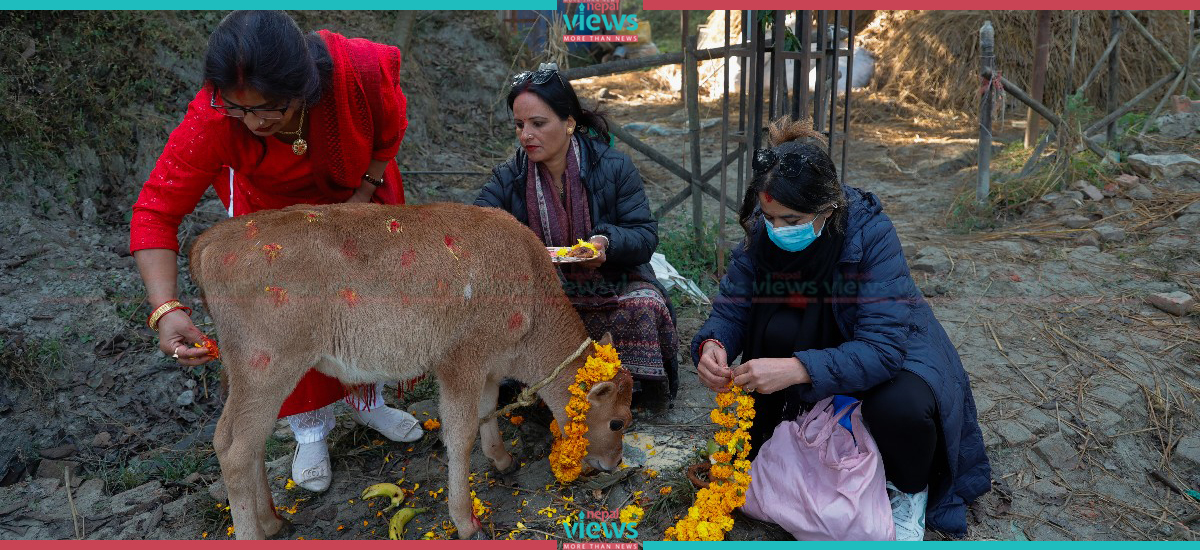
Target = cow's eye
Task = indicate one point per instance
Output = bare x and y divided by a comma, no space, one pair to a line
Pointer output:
616,425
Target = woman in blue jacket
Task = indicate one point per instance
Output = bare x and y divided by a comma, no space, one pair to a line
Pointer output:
819,301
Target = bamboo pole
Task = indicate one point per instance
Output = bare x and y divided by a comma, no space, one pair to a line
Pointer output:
724,152
1158,45
1111,118
1114,74
1074,46
693,110
1041,54
987,60
1112,43
1046,113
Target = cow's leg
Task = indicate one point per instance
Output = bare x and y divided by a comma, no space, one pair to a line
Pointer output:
240,440
461,386
489,432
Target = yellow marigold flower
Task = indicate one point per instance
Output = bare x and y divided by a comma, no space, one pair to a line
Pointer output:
722,457
632,514
723,438
665,491
432,424
725,399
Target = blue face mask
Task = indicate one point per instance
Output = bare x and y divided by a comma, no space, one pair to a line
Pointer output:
792,238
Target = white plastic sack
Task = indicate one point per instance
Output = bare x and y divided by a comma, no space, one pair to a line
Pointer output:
670,277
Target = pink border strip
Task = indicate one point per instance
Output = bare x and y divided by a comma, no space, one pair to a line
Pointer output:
899,5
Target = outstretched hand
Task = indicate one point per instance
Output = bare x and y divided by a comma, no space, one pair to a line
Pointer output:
176,336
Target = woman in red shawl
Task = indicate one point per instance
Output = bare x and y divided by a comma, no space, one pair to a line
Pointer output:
283,118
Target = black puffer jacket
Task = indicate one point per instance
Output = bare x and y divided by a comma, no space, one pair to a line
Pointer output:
617,200
619,210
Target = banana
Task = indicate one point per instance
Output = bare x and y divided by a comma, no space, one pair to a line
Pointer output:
397,525
390,490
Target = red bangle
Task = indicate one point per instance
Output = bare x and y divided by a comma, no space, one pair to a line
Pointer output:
714,340
163,309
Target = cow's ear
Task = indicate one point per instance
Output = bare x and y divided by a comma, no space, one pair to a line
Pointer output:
601,392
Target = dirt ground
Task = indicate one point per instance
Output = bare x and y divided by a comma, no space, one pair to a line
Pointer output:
1085,392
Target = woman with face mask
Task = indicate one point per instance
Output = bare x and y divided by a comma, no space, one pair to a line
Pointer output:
284,118
567,184
819,301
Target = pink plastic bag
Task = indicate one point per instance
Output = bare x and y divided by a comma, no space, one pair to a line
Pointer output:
820,481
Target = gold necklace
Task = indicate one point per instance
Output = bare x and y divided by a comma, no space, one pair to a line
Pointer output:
299,146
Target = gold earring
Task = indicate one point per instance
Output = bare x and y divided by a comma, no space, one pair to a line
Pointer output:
571,130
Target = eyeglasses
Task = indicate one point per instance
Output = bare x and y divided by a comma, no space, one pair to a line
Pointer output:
538,77
237,111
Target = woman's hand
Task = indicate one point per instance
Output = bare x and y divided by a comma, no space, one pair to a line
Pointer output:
363,194
713,367
769,375
176,334
601,244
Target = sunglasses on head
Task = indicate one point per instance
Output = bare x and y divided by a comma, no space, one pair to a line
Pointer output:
790,164
538,77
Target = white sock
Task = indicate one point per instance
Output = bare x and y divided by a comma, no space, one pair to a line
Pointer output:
312,426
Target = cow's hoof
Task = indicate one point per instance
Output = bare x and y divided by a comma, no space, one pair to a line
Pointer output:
512,467
285,531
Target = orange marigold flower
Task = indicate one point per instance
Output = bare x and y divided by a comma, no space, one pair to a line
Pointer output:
432,424
517,420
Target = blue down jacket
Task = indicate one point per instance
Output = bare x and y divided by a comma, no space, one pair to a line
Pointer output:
888,326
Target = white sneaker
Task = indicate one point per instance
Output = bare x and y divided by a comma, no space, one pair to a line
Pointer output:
310,466
394,424
908,512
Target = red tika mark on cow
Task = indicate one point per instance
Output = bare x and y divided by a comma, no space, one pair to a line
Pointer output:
272,251
350,248
406,259
442,286
350,296
312,216
260,361
229,258
394,226
452,245
280,294
251,229
514,322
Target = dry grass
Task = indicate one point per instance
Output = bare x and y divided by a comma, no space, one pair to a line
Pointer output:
935,54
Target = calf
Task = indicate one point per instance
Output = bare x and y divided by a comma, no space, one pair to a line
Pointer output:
366,293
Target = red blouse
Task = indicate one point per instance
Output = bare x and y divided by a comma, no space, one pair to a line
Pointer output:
360,118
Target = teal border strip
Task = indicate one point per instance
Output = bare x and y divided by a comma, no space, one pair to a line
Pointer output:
295,5
983,545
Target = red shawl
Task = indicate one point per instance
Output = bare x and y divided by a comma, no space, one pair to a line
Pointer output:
360,117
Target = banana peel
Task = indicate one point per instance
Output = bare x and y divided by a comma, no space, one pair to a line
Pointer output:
400,520
390,490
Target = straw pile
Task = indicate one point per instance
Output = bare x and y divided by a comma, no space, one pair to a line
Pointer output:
934,55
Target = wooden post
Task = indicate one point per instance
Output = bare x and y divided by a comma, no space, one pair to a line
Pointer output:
1114,77
1041,53
692,87
724,152
1074,46
1112,44
987,62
